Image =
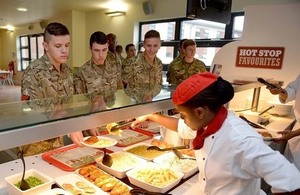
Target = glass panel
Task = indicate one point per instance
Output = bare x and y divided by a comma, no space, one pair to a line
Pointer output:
27,113
165,54
165,29
238,25
25,53
40,46
202,29
24,41
33,49
206,54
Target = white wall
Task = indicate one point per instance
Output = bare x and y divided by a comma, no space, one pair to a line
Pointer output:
266,25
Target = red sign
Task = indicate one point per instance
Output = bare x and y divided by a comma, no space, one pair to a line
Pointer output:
260,57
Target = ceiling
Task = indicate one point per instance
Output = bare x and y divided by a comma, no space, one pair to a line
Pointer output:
39,10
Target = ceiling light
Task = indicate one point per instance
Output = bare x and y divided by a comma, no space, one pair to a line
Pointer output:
115,13
22,9
10,28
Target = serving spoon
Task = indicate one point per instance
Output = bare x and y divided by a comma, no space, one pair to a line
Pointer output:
107,159
180,156
24,184
166,149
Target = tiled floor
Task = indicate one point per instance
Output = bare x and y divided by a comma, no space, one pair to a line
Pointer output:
9,94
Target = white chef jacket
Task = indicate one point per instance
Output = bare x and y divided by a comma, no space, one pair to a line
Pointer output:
233,160
292,152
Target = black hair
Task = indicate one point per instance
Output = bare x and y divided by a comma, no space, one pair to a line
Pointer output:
214,96
128,45
98,37
56,29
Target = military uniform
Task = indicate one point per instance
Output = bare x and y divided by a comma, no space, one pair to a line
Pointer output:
97,79
114,59
180,70
42,80
144,81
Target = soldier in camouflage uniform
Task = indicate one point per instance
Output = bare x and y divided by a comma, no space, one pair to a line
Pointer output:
48,77
187,66
113,57
181,52
143,73
98,77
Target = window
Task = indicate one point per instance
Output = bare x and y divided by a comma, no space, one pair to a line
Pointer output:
30,49
209,36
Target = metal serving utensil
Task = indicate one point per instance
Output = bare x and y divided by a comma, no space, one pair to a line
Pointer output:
107,159
24,184
180,156
166,149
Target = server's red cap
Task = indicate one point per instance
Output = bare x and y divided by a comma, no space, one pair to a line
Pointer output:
192,86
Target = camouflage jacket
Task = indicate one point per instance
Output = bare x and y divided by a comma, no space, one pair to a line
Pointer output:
144,81
180,70
41,81
115,60
97,79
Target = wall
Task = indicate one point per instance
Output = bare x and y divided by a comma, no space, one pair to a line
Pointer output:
266,25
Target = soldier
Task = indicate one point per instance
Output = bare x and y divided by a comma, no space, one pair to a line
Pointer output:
143,74
113,56
182,69
49,76
130,50
98,77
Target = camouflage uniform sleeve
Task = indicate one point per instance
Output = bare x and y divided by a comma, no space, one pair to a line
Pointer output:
202,66
79,86
30,85
170,74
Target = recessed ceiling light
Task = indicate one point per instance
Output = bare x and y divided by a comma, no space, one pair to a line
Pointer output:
22,9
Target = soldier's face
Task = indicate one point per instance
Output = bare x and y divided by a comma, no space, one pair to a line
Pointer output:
131,51
57,49
152,46
190,51
99,53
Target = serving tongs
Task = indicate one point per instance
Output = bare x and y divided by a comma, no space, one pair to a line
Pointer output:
251,123
117,127
138,191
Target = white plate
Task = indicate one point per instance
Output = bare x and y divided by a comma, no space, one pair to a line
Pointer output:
73,178
103,142
186,166
122,162
157,173
272,132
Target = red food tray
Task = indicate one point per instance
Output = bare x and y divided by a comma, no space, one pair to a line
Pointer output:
49,156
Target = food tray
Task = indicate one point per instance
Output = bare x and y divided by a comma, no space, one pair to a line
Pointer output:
72,179
129,137
140,150
158,179
71,157
186,166
122,162
102,180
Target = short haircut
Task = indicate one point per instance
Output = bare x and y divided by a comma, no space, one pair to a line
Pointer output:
188,42
119,48
181,42
129,45
98,37
56,29
152,34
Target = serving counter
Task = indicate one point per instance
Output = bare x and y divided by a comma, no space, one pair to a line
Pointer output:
30,121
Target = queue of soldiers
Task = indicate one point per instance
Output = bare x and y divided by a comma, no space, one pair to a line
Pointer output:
140,76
